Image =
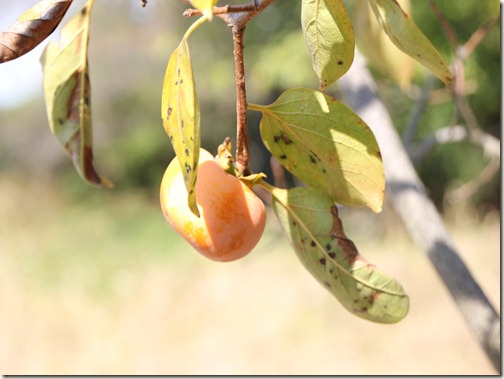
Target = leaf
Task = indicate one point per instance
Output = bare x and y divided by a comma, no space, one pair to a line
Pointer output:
31,28
404,33
205,6
379,50
326,145
181,116
329,37
310,220
68,95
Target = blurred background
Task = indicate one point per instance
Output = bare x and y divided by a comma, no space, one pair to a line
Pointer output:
95,282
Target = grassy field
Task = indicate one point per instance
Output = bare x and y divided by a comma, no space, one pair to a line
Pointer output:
97,283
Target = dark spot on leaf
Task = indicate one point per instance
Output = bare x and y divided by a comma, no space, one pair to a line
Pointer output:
327,284
294,222
60,121
188,168
322,261
181,81
328,246
331,271
283,156
313,243
340,62
312,159
276,138
182,124
332,255
285,139
170,110
176,83
186,152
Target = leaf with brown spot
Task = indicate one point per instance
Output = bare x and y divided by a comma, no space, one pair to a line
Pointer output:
326,145
68,95
31,28
310,219
329,38
181,116
403,32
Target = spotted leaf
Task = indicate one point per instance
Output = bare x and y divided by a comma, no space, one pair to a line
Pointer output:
68,95
326,145
310,219
329,37
181,116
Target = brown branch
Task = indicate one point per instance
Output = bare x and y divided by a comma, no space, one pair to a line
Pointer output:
242,149
249,7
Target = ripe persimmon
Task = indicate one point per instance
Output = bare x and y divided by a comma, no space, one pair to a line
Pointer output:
232,218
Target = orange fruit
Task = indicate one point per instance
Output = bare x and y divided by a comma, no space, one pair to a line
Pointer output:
232,218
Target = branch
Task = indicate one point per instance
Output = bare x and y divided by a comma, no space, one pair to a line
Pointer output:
419,214
242,148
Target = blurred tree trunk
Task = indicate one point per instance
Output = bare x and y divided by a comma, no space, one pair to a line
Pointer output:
419,214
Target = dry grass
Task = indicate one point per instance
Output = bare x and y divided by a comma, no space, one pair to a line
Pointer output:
101,286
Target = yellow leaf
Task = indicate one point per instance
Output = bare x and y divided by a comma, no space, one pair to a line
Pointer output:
181,116
68,95
329,37
404,33
205,6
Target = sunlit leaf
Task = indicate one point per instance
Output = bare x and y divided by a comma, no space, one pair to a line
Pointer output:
31,28
310,220
68,94
329,37
404,33
326,145
181,116
205,6
379,50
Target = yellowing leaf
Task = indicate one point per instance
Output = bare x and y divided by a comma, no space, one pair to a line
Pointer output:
68,94
380,52
404,33
329,37
181,116
310,220
326,145
31,28
205,6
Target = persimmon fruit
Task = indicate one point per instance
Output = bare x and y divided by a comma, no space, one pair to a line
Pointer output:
232,217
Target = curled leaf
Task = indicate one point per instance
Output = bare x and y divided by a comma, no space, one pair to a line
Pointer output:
326,145
310,220
329,37
68,95
181,116
31,28
404,33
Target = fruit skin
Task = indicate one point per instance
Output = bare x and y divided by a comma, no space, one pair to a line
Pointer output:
232,218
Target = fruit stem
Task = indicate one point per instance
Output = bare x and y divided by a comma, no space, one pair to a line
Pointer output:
242,147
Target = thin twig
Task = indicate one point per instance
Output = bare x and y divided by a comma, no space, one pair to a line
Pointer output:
252,6
242,149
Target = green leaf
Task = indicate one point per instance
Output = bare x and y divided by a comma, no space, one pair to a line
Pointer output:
404,33
31,28
205,6
329,37
68,95
310,220
181,116
326,145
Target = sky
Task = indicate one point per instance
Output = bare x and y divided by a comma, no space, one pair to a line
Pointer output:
21,79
